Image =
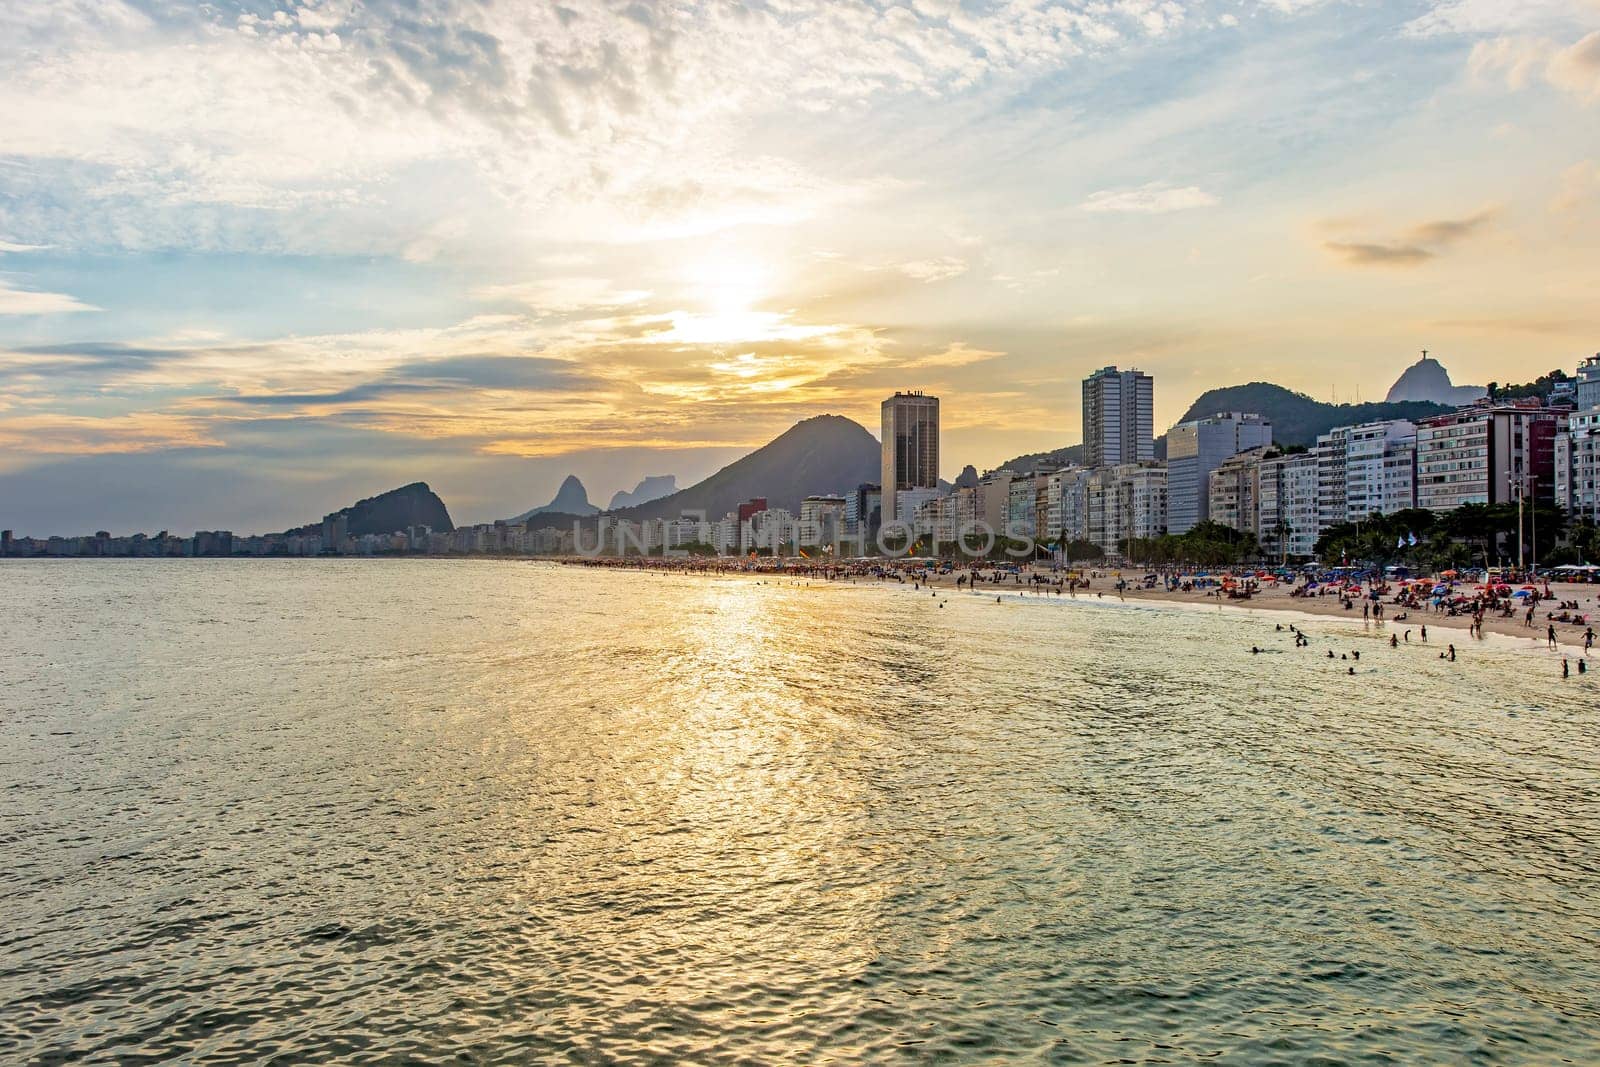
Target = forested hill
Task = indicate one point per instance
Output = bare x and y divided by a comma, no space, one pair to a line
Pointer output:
1296,419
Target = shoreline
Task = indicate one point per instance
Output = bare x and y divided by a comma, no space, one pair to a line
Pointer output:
1569,636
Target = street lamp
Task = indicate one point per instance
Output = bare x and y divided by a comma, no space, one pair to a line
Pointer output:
1520,488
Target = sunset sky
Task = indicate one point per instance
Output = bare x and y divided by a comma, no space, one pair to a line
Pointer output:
258,261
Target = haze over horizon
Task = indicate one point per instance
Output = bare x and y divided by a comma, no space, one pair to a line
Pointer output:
258,261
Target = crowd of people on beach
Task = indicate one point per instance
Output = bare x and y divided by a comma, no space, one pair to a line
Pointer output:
1383,601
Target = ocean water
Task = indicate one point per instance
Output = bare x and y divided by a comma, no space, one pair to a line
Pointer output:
491,812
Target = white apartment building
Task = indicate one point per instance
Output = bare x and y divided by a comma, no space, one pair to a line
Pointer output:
1288,505
1125,502
1577,465
1379,457
1486,454
1118,417
1236,492
1019,521
1194,450
822,519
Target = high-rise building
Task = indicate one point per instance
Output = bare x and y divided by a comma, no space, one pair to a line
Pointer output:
1586,392
1486,454
1235,491
1288,522
1577,465
1333,463
1118,417
1069,500
910,448
863,510
1125,504
746,515
1194,450
1366,480
822,519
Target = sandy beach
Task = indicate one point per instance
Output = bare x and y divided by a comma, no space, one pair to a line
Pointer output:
1277,598
1270,597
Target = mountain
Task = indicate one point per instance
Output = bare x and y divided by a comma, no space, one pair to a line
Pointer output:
824,454
1068,456
654,487
967,479
1297,419
1426,379
386,513
571,499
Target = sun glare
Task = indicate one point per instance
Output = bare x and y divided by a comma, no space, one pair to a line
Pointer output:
727,283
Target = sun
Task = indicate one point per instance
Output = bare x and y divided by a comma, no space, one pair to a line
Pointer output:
726,283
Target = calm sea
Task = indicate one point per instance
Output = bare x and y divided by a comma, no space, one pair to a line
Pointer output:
290,811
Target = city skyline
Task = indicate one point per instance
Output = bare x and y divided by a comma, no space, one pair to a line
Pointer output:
1488,447
246,257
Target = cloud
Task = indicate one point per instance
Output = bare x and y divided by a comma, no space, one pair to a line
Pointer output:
138,431
1580,184
451,375
1519,60
15,301
1577,69
955,354
939,269
1364,254
1152,199
562,294
1416,245
1489,17
325,127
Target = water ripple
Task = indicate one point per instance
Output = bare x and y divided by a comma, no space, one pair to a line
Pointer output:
421,810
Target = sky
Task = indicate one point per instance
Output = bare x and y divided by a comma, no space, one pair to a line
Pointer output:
259,260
